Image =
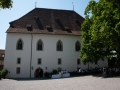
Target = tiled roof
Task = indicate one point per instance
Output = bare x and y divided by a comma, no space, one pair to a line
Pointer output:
48,21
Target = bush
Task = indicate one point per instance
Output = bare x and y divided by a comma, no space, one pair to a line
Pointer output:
4,73
74,73
46,74
54,71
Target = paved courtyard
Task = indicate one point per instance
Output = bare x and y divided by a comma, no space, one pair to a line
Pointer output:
74,83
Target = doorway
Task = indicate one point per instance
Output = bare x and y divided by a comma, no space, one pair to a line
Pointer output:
39,73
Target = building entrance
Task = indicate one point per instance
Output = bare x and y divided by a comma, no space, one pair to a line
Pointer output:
39,73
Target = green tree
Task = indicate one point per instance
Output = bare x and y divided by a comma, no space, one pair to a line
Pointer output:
5,4
101,30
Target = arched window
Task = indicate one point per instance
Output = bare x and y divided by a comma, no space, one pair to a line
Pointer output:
77,46
40,45
19,45
59,46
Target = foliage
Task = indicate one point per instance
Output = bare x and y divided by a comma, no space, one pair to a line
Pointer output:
73,73
4,72
46,74
54,71
100,30
5,4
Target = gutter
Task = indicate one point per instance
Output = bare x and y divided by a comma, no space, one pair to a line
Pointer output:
31,54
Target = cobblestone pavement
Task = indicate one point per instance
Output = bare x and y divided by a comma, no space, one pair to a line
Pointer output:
74,83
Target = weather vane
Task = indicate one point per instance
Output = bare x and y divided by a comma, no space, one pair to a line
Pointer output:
73,6
35,4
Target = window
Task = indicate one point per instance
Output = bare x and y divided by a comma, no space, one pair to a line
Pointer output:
59,46
19,45
77,46
39,61
18,70
78,61
18,60
39,45
59,61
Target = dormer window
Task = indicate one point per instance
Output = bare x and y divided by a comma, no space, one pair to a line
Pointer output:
67,29
11,25
48,27
29,27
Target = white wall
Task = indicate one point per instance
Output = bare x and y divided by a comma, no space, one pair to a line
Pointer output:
49,55
11,55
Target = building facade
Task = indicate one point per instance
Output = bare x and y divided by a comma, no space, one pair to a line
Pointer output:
43,40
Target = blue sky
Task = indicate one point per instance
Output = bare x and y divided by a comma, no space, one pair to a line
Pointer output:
21,7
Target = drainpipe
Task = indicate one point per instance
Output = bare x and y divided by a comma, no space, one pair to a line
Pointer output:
31,54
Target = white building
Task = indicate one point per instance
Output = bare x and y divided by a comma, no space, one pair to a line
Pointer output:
43,40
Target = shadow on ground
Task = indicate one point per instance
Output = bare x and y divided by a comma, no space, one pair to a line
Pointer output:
34,79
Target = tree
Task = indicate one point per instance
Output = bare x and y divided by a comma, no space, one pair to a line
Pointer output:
101,31
5,4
